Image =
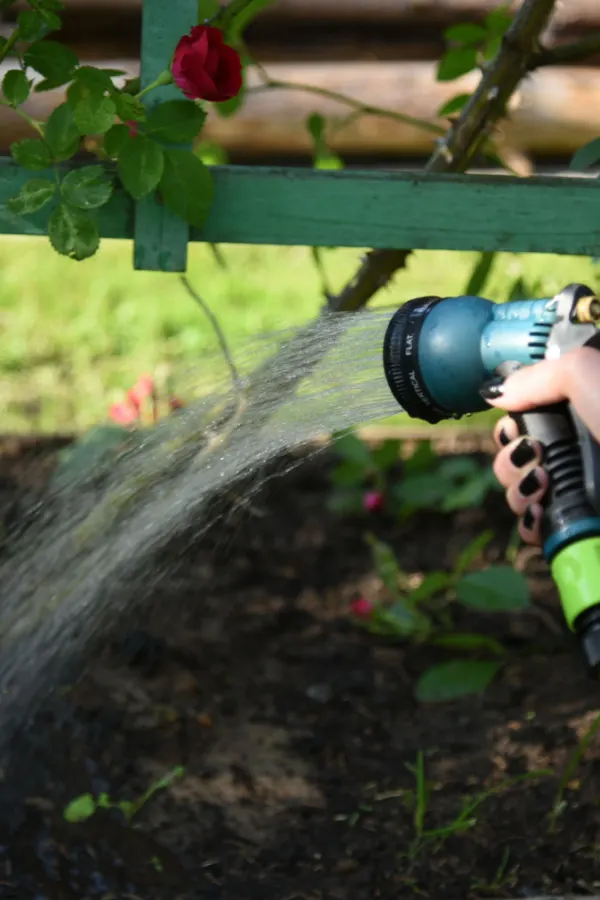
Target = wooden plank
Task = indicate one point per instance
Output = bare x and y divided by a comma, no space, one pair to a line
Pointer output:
553,116
160,237
376,10
373,209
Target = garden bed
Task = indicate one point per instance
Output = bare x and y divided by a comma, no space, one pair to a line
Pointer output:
297,729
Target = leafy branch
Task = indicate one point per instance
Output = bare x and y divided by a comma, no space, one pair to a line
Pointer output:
466,136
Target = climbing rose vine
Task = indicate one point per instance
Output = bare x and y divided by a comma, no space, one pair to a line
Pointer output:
139,140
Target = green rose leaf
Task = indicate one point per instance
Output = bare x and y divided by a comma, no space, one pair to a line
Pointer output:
51,20
466,33
34,194
93,112
54,61
115,139
455,105
141,165
187,187
176,121
456,63
73,232
128,107
61,133
498,21
495,589
15,87
31,153
456,679
87,188
99,79
31,25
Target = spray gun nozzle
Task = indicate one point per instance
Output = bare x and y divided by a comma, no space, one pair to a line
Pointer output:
587,310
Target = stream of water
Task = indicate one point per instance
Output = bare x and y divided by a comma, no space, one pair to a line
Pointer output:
89,552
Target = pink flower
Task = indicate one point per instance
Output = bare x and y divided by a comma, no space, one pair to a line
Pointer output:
373,501
124,413
362,608
142,390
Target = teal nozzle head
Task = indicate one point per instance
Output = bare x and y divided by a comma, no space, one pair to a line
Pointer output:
438,352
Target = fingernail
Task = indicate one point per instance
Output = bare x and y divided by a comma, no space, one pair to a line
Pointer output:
523,453
528,519
492,389
503,438
530,484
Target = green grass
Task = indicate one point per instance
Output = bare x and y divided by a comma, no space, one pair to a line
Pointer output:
76,335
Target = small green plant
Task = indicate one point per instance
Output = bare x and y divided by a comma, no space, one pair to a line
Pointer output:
501,879
373,479
560,803
434,838
425,614
86,805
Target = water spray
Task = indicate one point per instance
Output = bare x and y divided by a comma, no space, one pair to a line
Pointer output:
437,352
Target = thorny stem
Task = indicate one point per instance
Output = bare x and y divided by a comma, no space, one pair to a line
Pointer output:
465,137
567,53
356,105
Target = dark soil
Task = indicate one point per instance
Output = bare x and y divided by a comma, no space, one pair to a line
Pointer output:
296,730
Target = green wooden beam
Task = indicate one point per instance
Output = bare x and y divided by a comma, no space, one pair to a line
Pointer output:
161,238
371,209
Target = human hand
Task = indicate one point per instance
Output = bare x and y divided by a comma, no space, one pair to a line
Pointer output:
518,465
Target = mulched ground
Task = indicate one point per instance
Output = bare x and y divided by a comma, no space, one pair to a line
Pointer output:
296,729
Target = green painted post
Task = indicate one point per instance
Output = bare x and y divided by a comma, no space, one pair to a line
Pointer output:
160,237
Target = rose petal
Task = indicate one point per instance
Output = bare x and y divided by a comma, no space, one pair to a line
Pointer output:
229,76
214,36
204,86
213,59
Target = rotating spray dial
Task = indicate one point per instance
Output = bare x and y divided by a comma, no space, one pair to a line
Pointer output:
437,353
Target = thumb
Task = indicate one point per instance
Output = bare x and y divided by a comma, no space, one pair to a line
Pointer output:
538,385
574,377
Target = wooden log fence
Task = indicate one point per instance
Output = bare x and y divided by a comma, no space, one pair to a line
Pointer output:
555,112
584,12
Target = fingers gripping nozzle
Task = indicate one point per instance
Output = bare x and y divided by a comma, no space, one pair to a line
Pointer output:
438,351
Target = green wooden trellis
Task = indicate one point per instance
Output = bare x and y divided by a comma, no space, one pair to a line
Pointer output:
353,209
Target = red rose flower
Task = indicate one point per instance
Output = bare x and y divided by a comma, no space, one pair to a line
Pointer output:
373,501
362,608
205,68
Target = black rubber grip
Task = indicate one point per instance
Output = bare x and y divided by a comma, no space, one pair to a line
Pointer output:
566,500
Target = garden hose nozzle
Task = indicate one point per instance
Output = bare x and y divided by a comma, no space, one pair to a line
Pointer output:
437,353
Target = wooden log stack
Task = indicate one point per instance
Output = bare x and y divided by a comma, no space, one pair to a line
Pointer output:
381,53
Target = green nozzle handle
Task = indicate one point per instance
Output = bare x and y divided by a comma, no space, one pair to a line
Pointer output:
571,521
